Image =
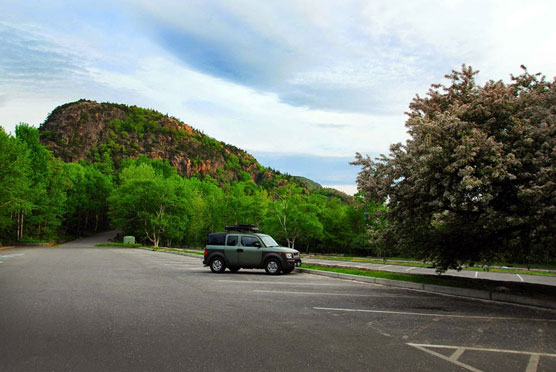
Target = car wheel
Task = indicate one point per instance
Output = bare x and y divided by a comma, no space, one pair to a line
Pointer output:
273,266
234,269
217,265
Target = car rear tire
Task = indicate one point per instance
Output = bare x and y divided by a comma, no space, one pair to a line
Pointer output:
273,267
217,265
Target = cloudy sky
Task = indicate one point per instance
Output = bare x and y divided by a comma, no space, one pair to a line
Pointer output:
302,85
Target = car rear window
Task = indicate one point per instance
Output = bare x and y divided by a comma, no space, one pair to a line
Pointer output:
217,239
232,240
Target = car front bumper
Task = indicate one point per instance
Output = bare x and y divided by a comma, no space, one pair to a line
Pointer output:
293,263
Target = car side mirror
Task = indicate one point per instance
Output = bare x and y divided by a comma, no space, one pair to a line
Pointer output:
257,244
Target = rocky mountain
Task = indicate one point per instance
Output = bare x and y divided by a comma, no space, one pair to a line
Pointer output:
92,131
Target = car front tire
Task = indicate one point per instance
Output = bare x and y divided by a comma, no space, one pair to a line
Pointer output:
273,267
217,265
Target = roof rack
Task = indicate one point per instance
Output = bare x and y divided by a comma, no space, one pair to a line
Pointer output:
242,227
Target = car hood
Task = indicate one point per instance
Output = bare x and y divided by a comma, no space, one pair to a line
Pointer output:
287,250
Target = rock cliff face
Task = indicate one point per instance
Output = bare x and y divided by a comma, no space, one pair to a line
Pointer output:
96,131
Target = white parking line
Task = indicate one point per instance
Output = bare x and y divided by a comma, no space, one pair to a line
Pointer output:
290,283
476,273
550,355
455,356
519,276
459,350
411,268
456,362
11,255
382,267
434,315
533,363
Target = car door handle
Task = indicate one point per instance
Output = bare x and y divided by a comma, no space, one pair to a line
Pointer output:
239,250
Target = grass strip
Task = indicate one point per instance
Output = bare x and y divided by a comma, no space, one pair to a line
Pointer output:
175,250
370,260
127,245
420,264
425,279
541,291
161,249
178,250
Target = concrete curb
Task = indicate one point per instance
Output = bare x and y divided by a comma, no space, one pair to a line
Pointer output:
452,291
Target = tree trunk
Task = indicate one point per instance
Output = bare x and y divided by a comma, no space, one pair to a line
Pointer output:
20,225
17,223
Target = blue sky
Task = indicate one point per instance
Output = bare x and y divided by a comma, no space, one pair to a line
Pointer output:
302,85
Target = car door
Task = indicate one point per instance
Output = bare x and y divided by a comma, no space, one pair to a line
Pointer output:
252,252
232,249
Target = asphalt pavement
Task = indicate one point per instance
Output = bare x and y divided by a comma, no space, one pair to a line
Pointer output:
81,308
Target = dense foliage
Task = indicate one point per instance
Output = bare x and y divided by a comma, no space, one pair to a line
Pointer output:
477,178
43,198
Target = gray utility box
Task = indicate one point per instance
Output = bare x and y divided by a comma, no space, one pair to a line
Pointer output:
129,239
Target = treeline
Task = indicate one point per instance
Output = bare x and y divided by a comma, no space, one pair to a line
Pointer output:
44,199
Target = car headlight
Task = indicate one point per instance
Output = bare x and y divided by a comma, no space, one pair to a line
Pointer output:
289,255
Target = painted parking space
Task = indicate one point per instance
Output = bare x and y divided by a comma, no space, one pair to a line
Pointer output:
479,359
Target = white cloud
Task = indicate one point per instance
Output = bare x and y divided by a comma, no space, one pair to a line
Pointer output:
248,118
348,189
332,57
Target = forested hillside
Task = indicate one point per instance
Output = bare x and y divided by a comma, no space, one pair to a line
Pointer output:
107,132
95,166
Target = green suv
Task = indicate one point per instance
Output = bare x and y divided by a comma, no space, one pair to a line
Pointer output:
243,247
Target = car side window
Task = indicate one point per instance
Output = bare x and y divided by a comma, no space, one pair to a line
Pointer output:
232,240
250,241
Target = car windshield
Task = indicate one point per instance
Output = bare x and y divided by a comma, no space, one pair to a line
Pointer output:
268,241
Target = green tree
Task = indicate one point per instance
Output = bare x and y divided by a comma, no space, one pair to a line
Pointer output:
291,215
476,178
88,190
14,186
150,206
47,197
245,203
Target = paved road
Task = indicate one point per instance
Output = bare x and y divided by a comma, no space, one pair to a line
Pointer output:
539,279
79,308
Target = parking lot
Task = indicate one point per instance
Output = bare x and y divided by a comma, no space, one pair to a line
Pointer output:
82,308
